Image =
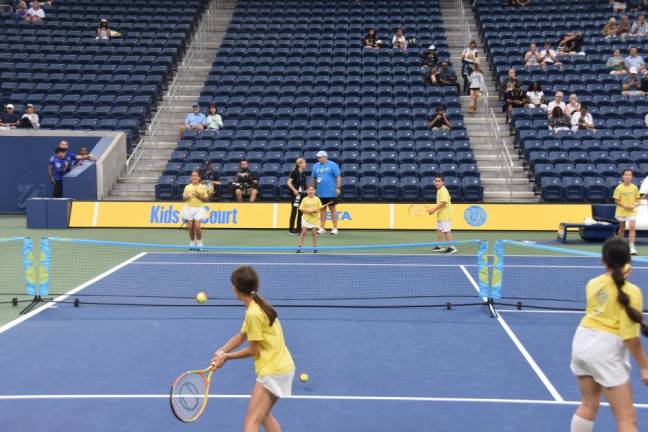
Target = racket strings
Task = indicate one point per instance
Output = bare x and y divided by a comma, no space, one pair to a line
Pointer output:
189,396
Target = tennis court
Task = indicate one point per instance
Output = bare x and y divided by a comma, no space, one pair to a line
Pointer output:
373,331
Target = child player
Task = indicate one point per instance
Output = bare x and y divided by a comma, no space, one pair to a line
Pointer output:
626,197
310,206
443,209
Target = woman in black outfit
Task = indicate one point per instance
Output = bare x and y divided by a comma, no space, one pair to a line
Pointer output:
297,186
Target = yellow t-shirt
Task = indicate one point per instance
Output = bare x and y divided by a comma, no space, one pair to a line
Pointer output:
605,313
194,201
311,204
444,214
274,357
628,196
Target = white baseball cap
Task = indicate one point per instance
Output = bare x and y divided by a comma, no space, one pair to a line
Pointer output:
9,106
322,153
431,47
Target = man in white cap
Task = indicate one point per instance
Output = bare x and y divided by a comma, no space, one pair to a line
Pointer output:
9,118
632,83
328,183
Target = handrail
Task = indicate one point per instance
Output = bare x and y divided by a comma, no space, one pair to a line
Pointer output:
465,28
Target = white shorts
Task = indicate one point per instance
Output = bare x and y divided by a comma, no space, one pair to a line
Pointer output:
444,226
626,218
603,356
308,225
193,213
278,385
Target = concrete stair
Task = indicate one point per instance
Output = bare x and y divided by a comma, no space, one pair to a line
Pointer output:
138,184
486,145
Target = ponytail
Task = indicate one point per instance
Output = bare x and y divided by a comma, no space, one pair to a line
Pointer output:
246,281
619,280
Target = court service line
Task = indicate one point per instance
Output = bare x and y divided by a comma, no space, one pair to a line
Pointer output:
516,341
599,268
309,397
287,264
62,297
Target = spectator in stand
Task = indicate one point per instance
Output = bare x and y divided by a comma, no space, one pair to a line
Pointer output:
58,166
469,57
430,58
439,121
548,56
572,105
616,63
245,183
432,77
398,40
21,10
511,80
297,185
30,119
634,59
644,79
532,56
370,40
9,118
194,121
624,26
72,157
327,180
103,32
571,44
83,156
582,119
611,28
446,75
35,13
477,85
631,83
639,27
618,6
515,99
559,121
209,173
557,102
214,120
535,96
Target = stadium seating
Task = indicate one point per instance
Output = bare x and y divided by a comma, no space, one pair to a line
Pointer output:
77,82
283,94
581,165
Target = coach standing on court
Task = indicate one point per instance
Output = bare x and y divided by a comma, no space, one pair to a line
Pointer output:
328,182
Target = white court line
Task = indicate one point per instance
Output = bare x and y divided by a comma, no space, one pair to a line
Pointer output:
550,387
310,397
62,297
564,266
309,264
540,311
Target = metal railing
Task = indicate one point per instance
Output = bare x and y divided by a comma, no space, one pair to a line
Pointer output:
465,27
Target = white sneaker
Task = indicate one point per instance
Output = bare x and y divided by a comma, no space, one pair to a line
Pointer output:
321,231
192,244
199,244
633,251
334,231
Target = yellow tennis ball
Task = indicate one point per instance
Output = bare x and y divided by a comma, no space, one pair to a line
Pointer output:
201,297
303,377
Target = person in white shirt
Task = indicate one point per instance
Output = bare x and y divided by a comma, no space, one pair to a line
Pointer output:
573,105
535,95
30,119
398,40
476,84
557,102
618,6
549,56
532,56
35,13
640,26
582,119
468,58
214,120
103,31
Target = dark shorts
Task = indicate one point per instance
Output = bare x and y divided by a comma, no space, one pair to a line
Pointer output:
325,201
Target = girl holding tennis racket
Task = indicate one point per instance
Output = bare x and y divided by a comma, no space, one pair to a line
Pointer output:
610,329
195,195
273,363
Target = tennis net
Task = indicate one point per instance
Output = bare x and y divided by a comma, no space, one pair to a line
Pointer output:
531,275
407,275
16,269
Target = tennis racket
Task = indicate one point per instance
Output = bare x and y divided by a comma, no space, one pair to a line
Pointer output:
325,205
189,394
418,210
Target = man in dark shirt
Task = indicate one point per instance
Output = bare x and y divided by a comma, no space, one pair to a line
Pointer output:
58,166
70,157
430,57
245,183
9,117
208,173
446,75
514,99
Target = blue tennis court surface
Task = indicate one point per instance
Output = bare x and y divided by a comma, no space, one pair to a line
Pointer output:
109,368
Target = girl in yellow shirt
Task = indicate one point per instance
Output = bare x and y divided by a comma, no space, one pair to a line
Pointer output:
310,206
273,363
626,196
610,329
193,213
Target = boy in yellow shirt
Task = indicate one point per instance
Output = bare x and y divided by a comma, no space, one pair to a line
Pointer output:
310,206
443,209
626,197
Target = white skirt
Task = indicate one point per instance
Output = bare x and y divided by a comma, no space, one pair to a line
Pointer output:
308,225
278,385
601,355
193,213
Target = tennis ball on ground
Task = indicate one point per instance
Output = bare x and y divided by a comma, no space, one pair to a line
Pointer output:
201,297
303,377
